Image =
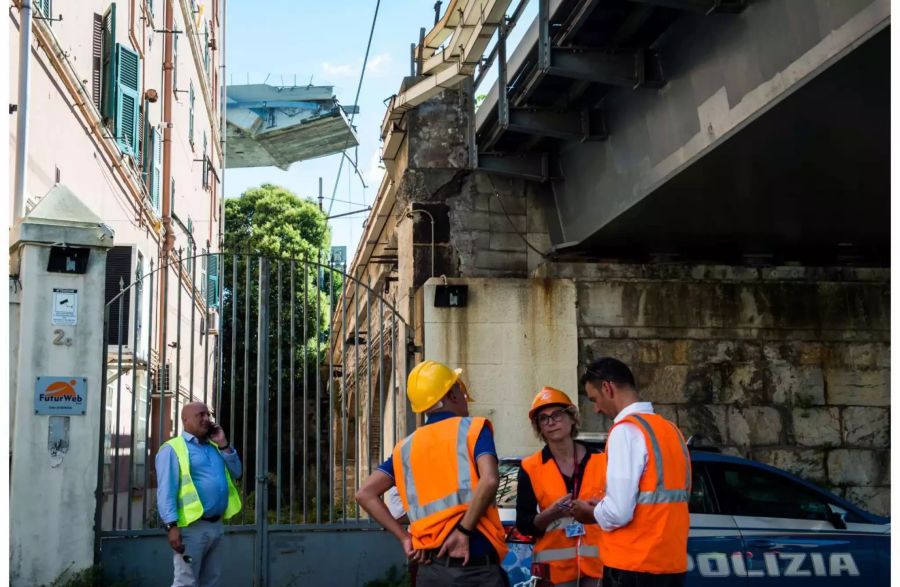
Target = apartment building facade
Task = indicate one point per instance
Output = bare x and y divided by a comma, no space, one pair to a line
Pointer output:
124,110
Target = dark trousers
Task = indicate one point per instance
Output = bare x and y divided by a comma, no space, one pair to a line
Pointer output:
440,573
619,578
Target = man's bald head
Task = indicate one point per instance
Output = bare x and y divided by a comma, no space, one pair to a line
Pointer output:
195,418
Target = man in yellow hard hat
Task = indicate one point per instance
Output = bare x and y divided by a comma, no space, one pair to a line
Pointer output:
447,478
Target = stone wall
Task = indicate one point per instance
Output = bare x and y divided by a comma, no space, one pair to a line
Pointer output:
786,365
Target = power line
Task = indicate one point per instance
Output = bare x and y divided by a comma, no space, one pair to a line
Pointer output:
362,74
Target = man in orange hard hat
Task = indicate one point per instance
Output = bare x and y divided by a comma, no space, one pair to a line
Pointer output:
446,475
644,513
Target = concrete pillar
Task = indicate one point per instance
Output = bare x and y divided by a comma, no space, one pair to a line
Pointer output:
55,429
511,338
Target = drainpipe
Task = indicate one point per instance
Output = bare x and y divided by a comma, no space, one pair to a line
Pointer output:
22,112
168,66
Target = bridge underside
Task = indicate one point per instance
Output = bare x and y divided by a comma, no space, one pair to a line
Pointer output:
809,180
750,130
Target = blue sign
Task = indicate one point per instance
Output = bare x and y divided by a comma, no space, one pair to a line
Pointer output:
60,396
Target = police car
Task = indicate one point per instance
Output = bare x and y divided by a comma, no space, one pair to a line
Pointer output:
751,525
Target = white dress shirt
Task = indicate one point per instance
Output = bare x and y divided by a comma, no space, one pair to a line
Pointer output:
627,456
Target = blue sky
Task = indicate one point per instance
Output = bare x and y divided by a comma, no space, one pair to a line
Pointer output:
325,42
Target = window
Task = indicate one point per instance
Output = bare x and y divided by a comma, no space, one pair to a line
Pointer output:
104,61
205,177
212,281
191,113
175,64
116,83
744,490
205,48
118,276
46,8
701,500
191,246
156,170
172,196
127,91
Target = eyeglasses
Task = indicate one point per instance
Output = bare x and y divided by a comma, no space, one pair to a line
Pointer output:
556,416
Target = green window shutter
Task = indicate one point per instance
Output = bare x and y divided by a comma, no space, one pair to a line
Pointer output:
147,152
108,45
128,69
156,171
212,281
191,114
205,47
46,8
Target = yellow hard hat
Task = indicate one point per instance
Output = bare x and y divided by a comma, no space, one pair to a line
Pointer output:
428,382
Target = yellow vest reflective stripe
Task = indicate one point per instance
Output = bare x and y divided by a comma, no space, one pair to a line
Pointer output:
189,507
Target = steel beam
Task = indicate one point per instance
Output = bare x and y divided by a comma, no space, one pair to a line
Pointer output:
699,6
632,69
564,125
529,166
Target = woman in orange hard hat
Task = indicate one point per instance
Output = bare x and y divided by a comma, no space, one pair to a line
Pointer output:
550,480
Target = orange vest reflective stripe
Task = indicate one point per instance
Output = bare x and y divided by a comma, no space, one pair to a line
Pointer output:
568,558
434,468
655,541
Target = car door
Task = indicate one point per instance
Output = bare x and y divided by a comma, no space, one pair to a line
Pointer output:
789,530
714,538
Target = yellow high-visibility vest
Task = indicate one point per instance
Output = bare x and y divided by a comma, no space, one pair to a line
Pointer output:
189,507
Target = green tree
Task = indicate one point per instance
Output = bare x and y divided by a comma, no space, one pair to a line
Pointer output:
271,222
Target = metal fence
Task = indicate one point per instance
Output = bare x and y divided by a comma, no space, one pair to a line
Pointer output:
303,365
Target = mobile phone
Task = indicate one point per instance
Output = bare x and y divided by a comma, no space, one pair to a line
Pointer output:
213,428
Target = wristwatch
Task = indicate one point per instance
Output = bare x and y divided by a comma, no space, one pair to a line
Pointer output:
171,525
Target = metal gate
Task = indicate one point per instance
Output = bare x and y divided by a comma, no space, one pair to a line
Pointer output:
305,368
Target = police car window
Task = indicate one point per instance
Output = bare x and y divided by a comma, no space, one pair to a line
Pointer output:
701,497
749,491
507,491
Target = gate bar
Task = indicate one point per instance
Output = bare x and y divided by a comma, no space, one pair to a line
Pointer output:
344,407
178,343
357,426
262,395
115,455
134,393
293,352
305,379
331,451
98,493
244,423
193,325
278,406
369,402
149,401
318,396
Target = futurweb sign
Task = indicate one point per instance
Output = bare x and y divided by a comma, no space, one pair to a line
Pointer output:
66,396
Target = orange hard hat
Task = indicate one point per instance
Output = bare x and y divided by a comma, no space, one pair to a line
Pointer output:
548,396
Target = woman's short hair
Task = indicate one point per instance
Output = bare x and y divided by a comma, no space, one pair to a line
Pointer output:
572,411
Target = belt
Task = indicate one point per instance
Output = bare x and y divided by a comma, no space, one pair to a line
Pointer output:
212,519
450,561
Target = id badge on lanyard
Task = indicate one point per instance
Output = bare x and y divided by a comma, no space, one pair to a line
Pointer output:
574,530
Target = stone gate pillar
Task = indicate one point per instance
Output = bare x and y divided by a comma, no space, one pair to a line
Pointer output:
57,287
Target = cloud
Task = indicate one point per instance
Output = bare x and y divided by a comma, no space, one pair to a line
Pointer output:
377,66
374,170
338,70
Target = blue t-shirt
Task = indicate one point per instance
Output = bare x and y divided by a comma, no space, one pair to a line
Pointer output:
484,445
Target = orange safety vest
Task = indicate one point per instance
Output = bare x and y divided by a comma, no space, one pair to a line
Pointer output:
655,541
568,558
436,477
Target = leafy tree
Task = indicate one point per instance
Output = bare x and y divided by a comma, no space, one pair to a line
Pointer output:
271,222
